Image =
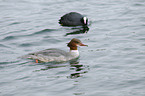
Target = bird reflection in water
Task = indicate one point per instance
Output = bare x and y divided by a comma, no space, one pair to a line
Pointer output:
78,30
74,65
79,69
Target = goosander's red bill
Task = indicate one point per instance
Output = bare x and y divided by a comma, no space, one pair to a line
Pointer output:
83,44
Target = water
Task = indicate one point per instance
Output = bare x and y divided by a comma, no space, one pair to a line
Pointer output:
112,65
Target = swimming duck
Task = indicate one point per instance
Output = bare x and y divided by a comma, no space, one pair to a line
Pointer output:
57,55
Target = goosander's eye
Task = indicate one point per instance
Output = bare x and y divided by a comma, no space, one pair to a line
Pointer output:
77,42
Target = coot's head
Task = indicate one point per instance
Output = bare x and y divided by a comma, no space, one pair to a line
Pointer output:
84,20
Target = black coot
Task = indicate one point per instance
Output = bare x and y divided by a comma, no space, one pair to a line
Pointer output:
73,19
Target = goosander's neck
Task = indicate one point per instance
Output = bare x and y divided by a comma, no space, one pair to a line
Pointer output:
74,53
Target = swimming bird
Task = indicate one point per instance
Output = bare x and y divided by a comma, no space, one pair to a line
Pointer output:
57,55
73,19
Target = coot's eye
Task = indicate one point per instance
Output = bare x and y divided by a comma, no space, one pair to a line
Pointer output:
77,42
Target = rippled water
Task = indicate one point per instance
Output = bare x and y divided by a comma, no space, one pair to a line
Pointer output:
112,65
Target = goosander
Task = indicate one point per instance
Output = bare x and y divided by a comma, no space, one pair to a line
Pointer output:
73,19
57,55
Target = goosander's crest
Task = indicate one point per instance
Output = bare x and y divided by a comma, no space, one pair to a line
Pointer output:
57,55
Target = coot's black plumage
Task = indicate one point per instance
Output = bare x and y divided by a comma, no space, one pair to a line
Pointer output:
73,19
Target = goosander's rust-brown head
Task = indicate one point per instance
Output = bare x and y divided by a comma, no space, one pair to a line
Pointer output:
74,43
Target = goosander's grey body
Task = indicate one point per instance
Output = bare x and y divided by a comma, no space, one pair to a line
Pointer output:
57,55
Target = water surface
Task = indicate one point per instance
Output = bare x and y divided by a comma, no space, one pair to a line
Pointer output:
112,65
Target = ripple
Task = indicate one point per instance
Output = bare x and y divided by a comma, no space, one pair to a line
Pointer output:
14,23
3,63
50,66
44,31
22,78
143,39
9,38
26,45
1,45
139,4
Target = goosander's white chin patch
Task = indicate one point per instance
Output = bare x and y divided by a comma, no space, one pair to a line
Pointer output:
74,50
74,53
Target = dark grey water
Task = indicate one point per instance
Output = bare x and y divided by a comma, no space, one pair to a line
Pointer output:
112,65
